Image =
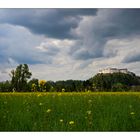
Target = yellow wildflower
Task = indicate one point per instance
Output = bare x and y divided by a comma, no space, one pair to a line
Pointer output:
63,90
42,85
40,104
61,120
59,94
89,112
132,113
48,110
42,82
38,95
71,122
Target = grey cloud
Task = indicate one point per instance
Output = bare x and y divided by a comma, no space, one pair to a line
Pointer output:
106,25
48,49
118,23
130,58
85,64
56,23
78,12
52,51
26,60
19,47
85,54
4,72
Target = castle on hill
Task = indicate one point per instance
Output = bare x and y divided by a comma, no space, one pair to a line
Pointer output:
114,70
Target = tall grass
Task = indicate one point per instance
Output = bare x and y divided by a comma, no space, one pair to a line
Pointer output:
70,111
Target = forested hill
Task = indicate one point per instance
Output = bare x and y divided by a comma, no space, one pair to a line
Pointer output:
115,82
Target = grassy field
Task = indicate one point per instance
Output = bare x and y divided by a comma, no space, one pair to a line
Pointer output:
70,111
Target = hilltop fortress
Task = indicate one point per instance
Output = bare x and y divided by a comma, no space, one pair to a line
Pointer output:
115,70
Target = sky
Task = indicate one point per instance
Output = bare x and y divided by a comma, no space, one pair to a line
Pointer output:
62,44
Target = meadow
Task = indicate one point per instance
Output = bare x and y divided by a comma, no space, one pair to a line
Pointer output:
87,111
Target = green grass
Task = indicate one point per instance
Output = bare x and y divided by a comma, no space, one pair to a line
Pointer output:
70,111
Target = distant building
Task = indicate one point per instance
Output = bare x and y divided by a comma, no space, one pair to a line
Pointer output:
114,70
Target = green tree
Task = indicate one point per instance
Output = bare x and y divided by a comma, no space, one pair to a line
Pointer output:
33,85
119,87
20,77
135,88
49,85
114,81
5,86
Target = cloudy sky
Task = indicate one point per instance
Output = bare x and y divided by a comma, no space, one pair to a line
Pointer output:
61,44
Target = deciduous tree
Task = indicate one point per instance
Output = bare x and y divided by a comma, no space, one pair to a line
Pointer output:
20,77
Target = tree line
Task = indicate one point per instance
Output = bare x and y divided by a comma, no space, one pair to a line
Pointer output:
21,82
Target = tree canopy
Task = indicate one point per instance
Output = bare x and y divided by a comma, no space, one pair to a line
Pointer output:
108,82
20,77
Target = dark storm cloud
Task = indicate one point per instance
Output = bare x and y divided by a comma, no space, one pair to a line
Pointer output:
55,23
3,58
106,25
119,23
131,58
84,55
26,60
78,12
3,54
101,26
18,45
